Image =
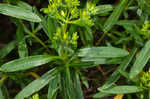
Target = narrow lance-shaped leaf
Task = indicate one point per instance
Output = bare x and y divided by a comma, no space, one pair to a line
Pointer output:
126,22
102,52
88,36
27,63
77,86
147,2
116,75
100,95
22,46
24,5
53,87
115,15
44,24
1,94
51,28
97,61
121,90
103,9
84,65
141,60
84,80
37,84
68,92
7,49
5,91
19,12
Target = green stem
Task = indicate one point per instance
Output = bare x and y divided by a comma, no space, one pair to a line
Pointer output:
34,36
64,29
149,94
4,77
101,38
129,96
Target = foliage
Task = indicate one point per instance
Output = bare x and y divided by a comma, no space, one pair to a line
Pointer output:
62,39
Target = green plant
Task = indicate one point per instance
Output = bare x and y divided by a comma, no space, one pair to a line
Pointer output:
64,24
56,44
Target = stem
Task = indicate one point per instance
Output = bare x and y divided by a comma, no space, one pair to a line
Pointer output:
129,96
64,29
34,36
149,94
3,79
35,75
101,38
102,72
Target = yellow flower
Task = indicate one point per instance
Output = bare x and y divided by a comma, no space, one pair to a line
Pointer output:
53,5
65,36
84,13
62,13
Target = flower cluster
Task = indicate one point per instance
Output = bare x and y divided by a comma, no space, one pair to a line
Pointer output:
146,29
145,80
65,38
68,12
91,8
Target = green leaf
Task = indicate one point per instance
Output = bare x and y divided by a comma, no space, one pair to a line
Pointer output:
100,95
84,81
114,16
1,94
116,75
70,84
77,86
19,12
67,90
48,28
83,65
126,22
5,91
141,60
97,60
53,87
27,63
126,75
147,2
103,9
7,49
22,46
24,5
121,90
102,52
51,28
88,36
37,84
